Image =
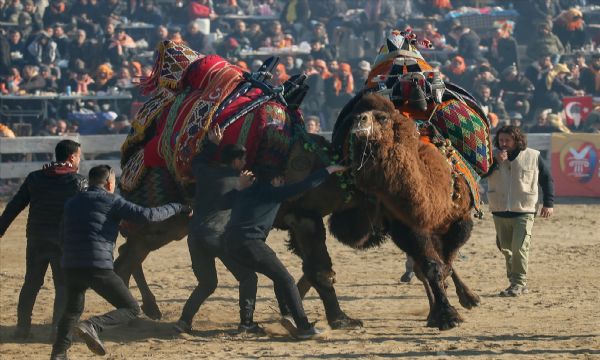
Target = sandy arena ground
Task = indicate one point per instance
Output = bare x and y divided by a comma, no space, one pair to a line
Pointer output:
559,319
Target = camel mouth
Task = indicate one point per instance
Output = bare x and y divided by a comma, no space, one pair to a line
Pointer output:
362,130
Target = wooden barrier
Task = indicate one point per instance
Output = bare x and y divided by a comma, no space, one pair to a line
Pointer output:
93,145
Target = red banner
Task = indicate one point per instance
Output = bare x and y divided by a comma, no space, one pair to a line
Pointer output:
577,109
576,164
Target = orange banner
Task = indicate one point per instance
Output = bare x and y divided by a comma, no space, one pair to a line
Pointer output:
576,164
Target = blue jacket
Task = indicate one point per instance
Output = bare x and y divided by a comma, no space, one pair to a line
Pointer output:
91,225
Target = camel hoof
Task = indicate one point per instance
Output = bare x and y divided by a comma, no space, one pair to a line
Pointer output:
152,311
444,319
469,301
345,324
449,318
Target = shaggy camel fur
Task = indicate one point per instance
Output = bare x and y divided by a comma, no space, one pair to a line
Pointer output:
426,212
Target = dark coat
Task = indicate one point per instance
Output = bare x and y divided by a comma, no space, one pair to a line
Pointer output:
211,215
45,192
91,225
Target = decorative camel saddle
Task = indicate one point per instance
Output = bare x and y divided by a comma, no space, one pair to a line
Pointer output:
192,92
445,114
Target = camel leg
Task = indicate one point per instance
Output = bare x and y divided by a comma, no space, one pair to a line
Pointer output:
431,271
307,235
304,286
456,236
468,299
129,262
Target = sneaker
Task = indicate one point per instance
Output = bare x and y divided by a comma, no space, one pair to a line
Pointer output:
59,356
182,327
518,290
504,293
407,277
300,334
86,331
253,329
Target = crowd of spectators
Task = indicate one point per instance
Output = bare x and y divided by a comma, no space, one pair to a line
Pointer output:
519,69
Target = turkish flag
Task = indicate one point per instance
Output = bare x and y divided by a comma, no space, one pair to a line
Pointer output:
577,109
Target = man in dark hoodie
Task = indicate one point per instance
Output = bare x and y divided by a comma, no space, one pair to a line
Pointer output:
206,229
252,215
45,191
89,231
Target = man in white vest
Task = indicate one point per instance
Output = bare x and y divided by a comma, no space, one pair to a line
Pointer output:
513,196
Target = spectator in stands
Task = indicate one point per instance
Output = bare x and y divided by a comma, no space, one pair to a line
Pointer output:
318,51
62,41
18,48
61,127
255,35
6,132
362,73
176,36
275,33
161,34
112,10
195,38
43,50
121,46
32,80
202,9
431,33
148,13
82,50
86,16
493,107
468,43
279,75
103,80
457,72
313,124
504,51
570,28
551,88
592,123
30,21
589,77
485,75
546,44
547,123
56,12
377,17
123,79
50,128
50,80
295,15
516,90
314,102
536,70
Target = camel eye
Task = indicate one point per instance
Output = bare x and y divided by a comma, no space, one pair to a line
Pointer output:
381,118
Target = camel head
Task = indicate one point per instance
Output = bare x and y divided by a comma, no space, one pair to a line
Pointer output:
372,119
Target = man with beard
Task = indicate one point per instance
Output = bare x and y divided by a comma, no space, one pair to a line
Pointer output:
513,195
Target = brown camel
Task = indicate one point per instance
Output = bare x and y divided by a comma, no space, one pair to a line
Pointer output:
425,208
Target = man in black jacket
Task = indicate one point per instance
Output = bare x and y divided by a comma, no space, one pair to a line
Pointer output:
213,182
45,191
89,232
252,215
